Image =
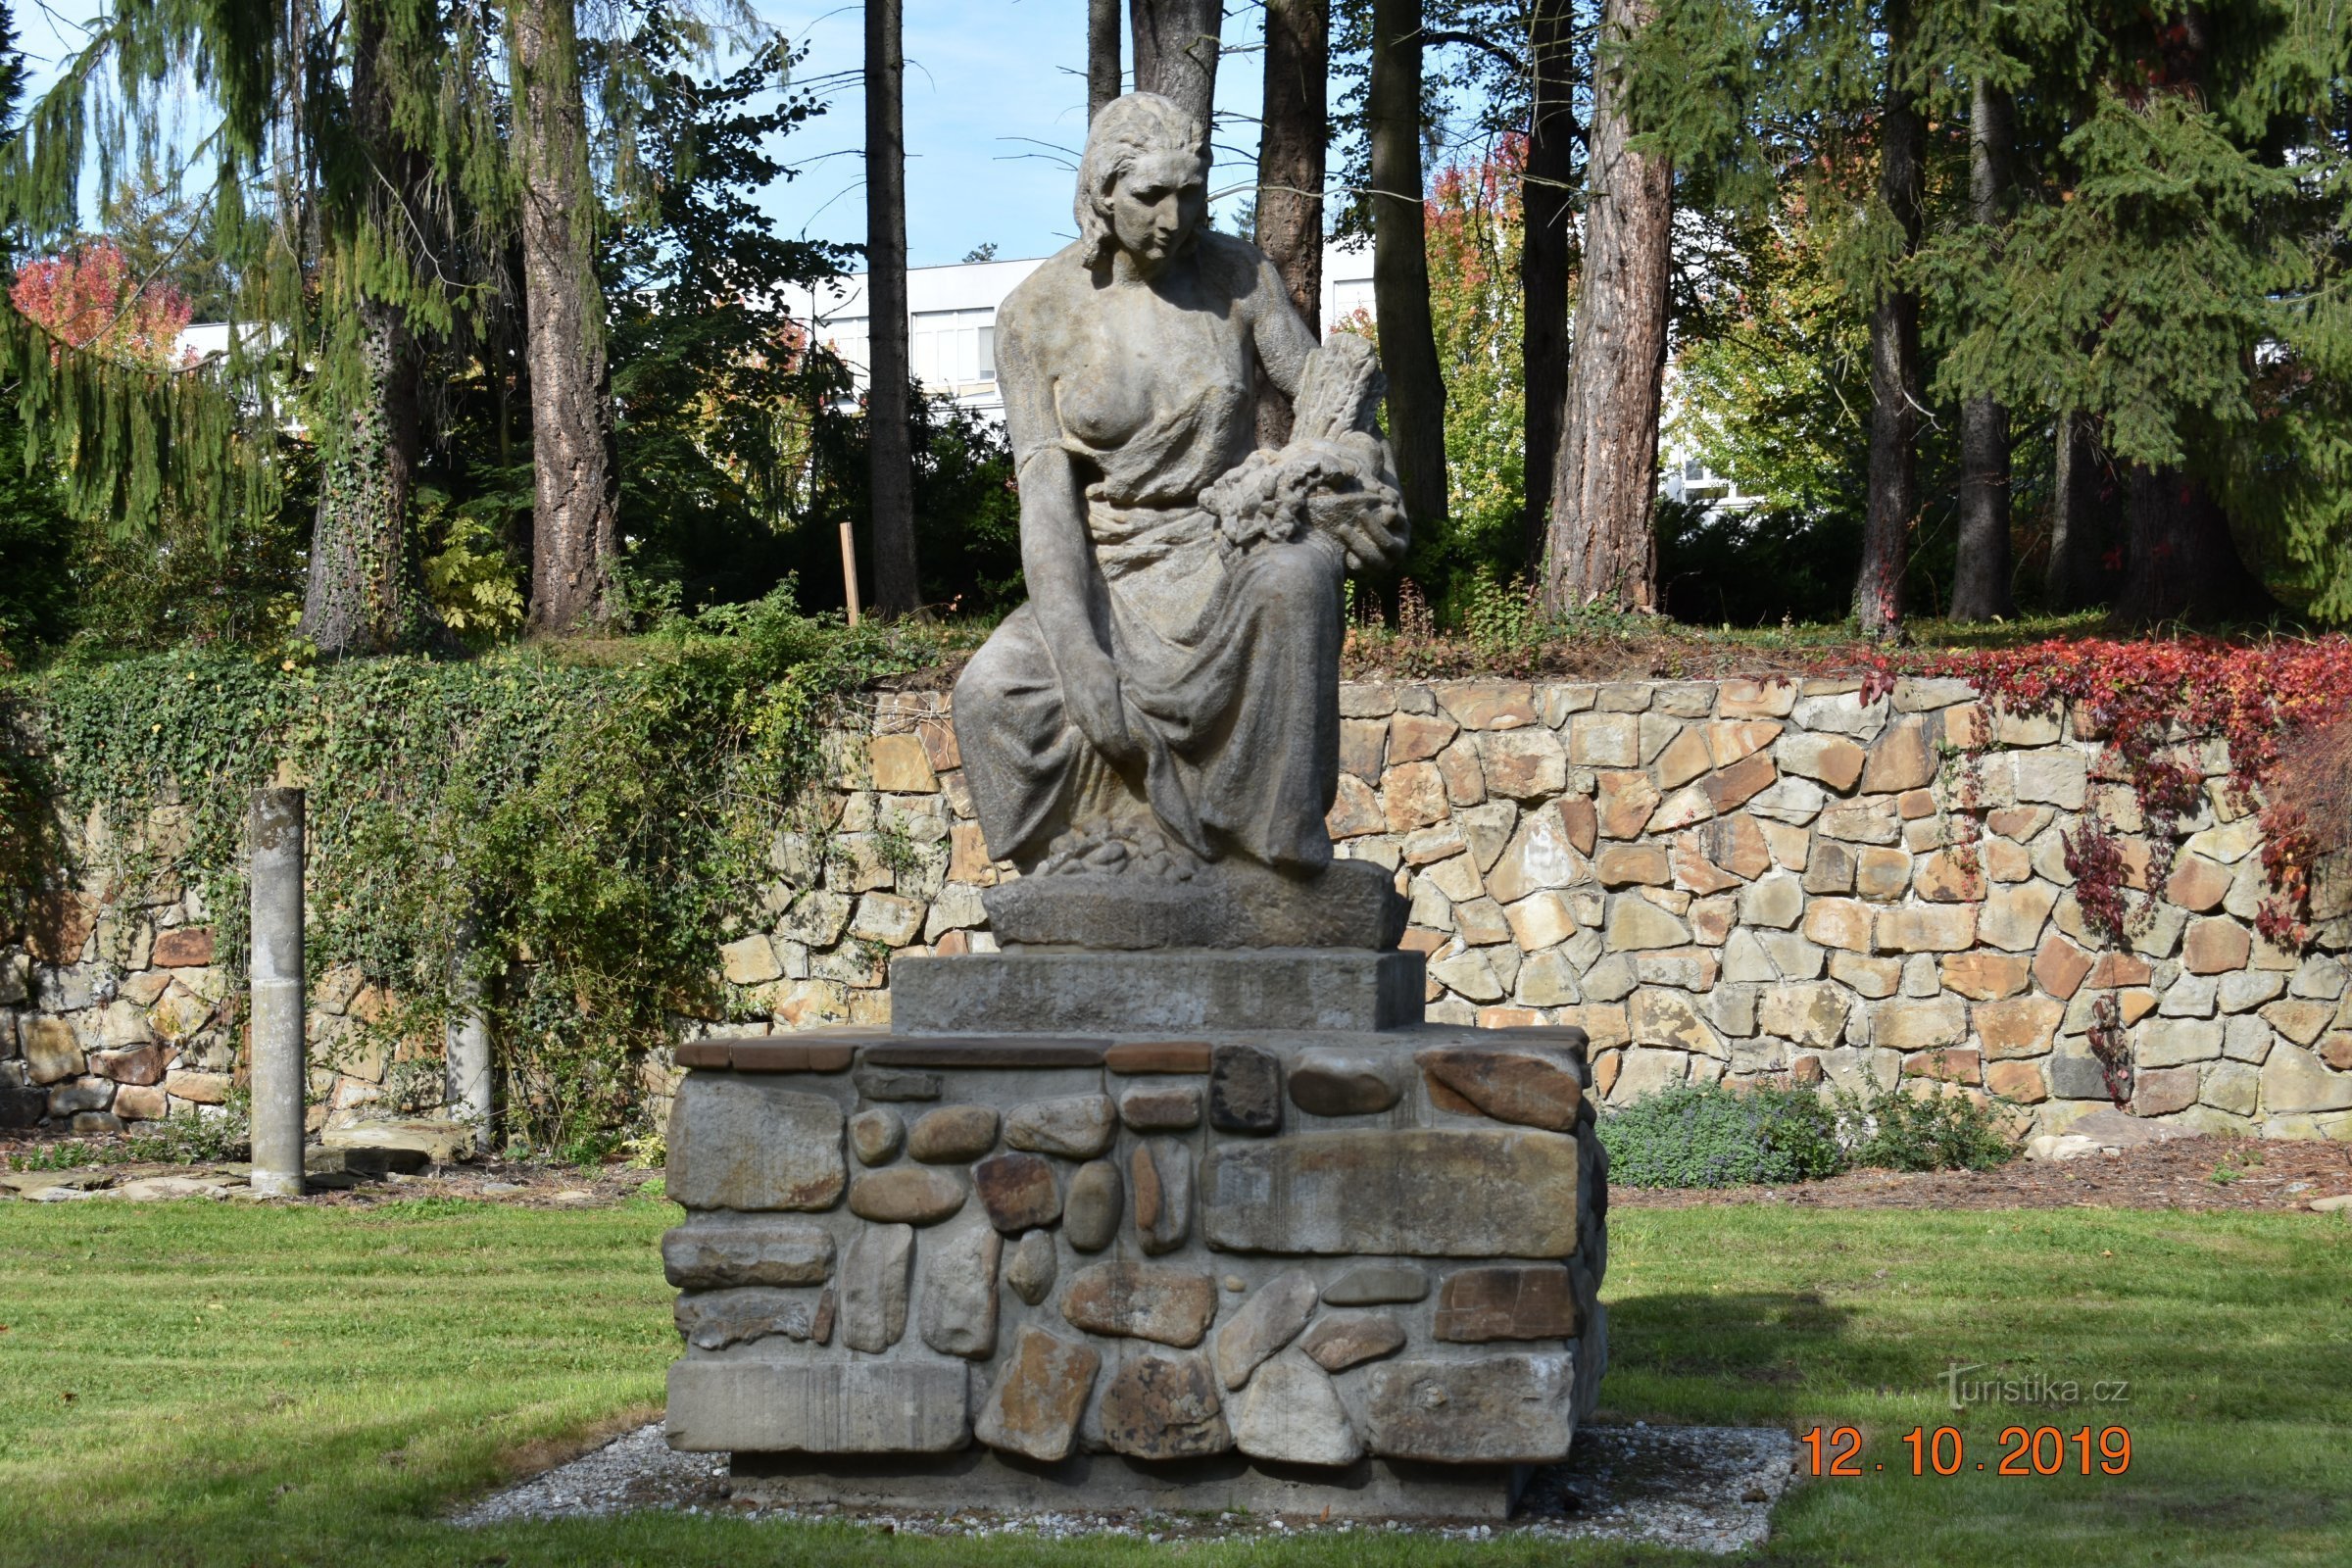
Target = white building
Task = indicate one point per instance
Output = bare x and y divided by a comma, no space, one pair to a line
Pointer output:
951,319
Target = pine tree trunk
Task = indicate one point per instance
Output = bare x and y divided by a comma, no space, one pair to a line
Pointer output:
1290,173
2076,578
366,592
2179,562
1176,51
1408,344
890,457
1102,54
1547,247
1605,478
1895,364
576,496
1980,587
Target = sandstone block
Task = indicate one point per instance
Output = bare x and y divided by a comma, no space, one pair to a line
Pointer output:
1605,740
1487,703
1091,1214
2162,1091
1776,902
1160,1176
1267,1321
1159,1107
874,1274
1413,795
2020,1026
1142,1301
745,1142
1533,1088
750,962
959,1294
1033,1267
1901,759
877,1135
1831,758
1912,1024
1351,1339
182,947
713,1320
210,1088
1074,1126
1291,1414
141,1065
1035,1406
2294,1079
1873,978
1506,1303
1505,1409
1874,820
1636,924
952,1134
1812,1015
908,1195
1525,765
1931,928
2053,779
2216,945
1344,1081
2197,884
1428,1193
1987,976
897,1085
1671,1019
719,1406
1165,1407
2018,1081
1624,804
52,1053
1017,1191
1950,1065
1843,924
1374,1284
717,1251
2013,916
1244,1089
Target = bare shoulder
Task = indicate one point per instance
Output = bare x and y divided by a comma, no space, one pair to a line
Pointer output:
1236,269
1047,294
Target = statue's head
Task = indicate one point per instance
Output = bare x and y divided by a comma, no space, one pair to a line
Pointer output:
1143,185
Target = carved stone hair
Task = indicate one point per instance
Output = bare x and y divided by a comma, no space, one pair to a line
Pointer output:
1127,129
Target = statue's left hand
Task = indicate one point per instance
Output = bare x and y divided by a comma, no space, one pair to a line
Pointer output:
1368,523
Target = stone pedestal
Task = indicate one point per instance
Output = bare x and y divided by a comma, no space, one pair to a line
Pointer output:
1178,1229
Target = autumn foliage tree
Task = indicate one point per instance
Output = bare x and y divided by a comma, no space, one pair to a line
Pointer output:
87,299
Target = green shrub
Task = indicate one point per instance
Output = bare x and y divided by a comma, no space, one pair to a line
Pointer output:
1896,1131
1709,1135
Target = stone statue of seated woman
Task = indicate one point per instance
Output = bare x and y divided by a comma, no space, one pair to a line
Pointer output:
1152,739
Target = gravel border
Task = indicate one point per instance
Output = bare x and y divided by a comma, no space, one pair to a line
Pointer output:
1705,1488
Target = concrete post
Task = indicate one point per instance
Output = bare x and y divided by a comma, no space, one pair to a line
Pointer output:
278,1064
466,1051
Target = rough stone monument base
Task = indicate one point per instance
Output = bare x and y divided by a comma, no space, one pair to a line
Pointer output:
1187,1229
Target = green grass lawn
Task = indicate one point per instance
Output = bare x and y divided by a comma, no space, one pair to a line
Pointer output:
194,1384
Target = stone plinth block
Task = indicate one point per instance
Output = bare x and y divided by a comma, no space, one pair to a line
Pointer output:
713,1320
1165,1407
1035,1406
1505,1409
714,1251
1429,1192
752,1143
1534,1088
1234,904
1142,1302
1291,1414
1172,989
751,1406
1506,1303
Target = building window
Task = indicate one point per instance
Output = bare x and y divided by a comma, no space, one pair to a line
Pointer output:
948,349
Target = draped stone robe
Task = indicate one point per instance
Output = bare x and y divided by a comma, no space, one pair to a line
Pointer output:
1228,659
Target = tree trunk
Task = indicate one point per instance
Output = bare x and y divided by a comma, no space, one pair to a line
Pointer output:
1176,51
1102,54
576,493
1980,587
889,458
366,593
1547,248
2077,577
1894,368
1409,343
1605,478
2179,562
1290,173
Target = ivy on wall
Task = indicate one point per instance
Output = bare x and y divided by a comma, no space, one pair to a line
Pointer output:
599,822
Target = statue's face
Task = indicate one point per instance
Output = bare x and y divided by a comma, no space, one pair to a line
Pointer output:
1156,205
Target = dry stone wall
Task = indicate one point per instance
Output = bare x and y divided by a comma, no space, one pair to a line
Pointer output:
1730,879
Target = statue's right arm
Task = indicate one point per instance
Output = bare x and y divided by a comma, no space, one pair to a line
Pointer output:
1054,555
